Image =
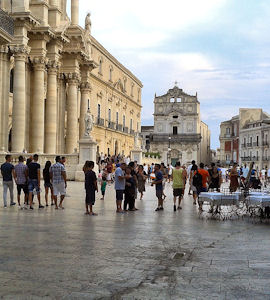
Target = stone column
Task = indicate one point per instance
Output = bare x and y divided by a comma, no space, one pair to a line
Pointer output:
61,114
18,111
51,111
4,97
85,96
74,12
72,120
37,113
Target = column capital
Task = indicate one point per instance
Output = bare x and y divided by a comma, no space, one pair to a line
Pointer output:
53,67
85,87
4,49
20,52
39,63
72,78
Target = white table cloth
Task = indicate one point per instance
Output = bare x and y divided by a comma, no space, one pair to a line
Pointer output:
220,198
259,200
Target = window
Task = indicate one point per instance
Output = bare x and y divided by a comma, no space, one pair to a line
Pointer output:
100,67
175,130
98,111
250,140
257,141
124,122
125,84
228,130
109,115
131,124
245,141
175,117
139,93
11,81
228,157
110,73
132,90
117,118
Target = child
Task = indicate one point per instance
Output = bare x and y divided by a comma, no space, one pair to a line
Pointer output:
90,187
103,187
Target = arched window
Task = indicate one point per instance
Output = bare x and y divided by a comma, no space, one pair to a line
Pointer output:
125,84
100,67
132,89
111,73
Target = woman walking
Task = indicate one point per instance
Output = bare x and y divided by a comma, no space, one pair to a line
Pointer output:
141,176
234,184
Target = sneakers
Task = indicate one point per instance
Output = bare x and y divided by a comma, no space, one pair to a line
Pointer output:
31,207
41,206
174,208
5,206
179,207
12,203
157,209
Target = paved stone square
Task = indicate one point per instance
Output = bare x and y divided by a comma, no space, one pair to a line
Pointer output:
49,254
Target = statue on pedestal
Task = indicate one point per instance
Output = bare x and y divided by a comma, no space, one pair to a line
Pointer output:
88,121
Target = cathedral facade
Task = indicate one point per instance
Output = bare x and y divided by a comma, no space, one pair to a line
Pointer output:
178,133
52,72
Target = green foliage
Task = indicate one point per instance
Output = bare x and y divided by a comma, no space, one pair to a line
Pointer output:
152,154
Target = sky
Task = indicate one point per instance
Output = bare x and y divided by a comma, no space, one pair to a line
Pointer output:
217,48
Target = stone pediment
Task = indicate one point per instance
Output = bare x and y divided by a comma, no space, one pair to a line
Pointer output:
119,85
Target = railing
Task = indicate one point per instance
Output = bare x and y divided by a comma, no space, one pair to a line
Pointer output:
111,125
265,143
176,138
255,144
243,145
249,144
265,158
132,131
100,122
119,127
125,129
6,22
252,158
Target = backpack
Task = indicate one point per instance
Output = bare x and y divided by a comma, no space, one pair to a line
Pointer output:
197,180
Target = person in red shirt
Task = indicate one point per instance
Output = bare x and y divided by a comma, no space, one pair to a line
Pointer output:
205,179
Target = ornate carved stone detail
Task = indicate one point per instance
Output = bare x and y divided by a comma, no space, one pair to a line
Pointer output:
20,52
4,49
53,67
72,78
39,63
85,86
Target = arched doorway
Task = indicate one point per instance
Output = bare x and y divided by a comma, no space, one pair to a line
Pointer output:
175,156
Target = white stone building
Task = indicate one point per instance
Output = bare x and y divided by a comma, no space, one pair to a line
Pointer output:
178,133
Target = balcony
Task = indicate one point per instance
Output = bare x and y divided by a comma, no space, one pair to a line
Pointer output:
100,122
111,125
255,144
132,131
243,145
125,129
248,158
249,145
119,127
176,138
265,158
265,143
6,27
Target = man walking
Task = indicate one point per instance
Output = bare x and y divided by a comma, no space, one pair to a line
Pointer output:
59,181
7,171
179,177
20,176
119,186
34,181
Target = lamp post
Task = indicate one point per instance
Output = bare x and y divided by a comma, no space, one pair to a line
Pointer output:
169,151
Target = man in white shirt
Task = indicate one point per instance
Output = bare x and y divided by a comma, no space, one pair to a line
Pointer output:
188,173
245,171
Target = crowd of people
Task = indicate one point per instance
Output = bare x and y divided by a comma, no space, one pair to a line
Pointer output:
128,177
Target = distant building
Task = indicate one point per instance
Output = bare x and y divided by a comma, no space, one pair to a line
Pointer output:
178,132
245,138
229,141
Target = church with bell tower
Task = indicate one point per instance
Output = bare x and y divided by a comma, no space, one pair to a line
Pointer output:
178,133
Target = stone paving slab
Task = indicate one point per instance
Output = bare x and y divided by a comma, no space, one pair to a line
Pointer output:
49,254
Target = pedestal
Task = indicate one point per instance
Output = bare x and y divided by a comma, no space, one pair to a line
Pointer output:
87,151
136,155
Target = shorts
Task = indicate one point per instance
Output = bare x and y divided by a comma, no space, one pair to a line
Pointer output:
47,185
90,197
23,187
33,185
119,195
178,192
59,188
159,194
103,193
200,190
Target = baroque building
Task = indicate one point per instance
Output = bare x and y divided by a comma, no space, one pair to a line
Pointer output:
178,132
52,72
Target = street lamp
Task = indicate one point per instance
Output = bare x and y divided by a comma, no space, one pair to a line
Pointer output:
169,150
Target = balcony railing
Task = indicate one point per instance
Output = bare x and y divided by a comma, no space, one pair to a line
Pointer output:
132,131
255,144
125,129
100,122
243,145
249,144
250,158
6,22
265,143
265,158
119,127
175,138
111,125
